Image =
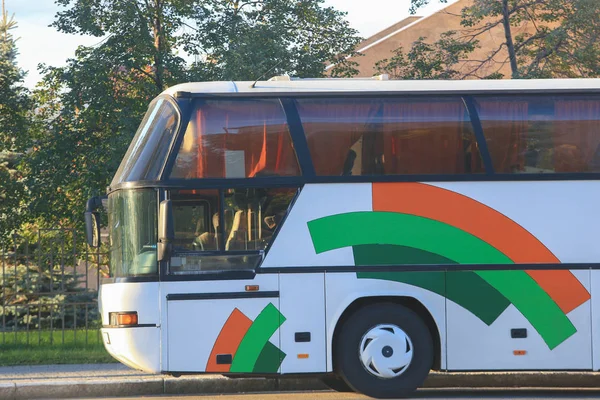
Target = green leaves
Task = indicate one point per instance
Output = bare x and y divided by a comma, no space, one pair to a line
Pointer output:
428,61
14,130
88,111
542,39
244,39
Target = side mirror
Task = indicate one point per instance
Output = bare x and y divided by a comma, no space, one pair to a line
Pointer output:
92,228
166,232
92,221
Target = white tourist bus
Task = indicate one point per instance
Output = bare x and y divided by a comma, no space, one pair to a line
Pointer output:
366,230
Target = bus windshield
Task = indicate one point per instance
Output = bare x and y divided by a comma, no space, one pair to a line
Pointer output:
133,220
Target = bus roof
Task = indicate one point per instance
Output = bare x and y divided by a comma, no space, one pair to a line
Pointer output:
376,84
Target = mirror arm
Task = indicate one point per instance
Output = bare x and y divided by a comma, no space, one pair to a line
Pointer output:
166,232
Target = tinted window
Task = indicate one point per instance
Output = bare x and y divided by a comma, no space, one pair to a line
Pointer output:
236,139
148,150
132,221
389,136
209,239
196,219
543,134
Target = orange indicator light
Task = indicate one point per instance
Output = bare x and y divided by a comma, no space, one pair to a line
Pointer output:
302,355
123,318
251,288
519,352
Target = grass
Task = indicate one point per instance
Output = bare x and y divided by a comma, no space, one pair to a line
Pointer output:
52,347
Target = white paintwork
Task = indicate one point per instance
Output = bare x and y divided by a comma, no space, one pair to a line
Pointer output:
563,215
138,348
595,314
303,305
472,345
371,85
343,289
293,246
194,325
132,296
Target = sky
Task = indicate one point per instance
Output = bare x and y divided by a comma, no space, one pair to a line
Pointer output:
39,43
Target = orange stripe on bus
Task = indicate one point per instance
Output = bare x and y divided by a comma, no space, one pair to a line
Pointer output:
488,225
562,286
228,340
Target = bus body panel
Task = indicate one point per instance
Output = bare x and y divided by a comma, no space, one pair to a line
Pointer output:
564,344
463,224
131,296
595,304
221,326
303,336
136,347
293,246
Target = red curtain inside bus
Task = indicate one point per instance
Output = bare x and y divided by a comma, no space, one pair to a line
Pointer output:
425,138
505,126
236,139
541,134
576,137
377,137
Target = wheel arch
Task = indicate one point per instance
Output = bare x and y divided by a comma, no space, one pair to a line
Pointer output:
409,302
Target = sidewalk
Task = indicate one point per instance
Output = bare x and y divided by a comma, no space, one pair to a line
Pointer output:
103,380
100,380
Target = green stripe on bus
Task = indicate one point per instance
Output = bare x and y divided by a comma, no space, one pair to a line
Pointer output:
465,288
469,290
390,254
263,327
362,228
536,305
269,360
358,228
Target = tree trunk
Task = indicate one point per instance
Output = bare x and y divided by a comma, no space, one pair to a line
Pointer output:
509,40
159,49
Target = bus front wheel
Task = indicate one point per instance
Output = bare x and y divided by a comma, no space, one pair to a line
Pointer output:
384,350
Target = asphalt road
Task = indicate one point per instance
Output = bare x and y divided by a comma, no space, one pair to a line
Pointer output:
437,394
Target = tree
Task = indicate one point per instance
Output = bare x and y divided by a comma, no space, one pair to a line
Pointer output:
428,61
562,43
14,125
244,39
90,109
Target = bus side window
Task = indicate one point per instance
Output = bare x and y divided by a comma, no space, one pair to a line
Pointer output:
541,134
390,136
257,215
194,215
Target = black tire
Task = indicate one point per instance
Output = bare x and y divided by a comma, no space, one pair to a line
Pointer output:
336,383
347,358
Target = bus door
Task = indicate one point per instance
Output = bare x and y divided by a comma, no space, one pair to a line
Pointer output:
220,315
222,326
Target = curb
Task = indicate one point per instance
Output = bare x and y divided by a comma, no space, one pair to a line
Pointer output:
519,379
222,385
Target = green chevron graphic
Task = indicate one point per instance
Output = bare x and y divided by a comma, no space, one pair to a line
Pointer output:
255,353
387,238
